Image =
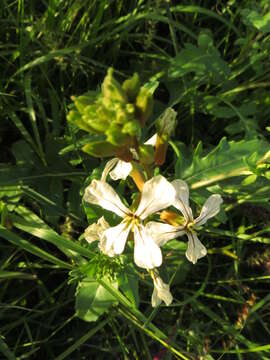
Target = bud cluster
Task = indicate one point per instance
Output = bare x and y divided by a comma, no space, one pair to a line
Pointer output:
117,113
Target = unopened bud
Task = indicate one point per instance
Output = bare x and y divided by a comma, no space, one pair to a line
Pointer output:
131,87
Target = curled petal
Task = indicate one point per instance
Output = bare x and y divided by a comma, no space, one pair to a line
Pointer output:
114,239
147,253
102,194
161,233
94,231
121,170
210,208
161,293
108,167
157,194
182,199
195,249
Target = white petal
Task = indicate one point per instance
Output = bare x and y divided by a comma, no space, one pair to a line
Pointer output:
155,298
161,233
94,231
157,194
152,141
102,194
108,167
161,293
147,253
182,199
210,208
114,239
195,249
121,170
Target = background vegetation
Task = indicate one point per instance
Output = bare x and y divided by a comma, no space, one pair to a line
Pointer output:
210,61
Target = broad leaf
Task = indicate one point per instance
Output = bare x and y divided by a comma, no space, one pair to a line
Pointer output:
93,300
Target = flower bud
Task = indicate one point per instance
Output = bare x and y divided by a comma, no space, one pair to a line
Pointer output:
146,154
144,105
100,149
112,89
131,87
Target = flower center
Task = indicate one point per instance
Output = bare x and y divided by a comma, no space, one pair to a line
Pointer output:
190,225
133,220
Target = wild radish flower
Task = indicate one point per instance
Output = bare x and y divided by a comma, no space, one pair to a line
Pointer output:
157,194
94,233
119,169
161,291
211,207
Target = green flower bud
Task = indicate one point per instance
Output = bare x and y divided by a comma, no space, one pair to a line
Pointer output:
166,124
131,87
100,149
111,88
132,128
75,117
146,154
84,100
144,104
115,135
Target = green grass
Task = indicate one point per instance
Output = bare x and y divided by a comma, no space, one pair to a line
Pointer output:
51,50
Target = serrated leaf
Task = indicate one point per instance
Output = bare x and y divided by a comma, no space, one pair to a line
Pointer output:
224,161
93,300
201,60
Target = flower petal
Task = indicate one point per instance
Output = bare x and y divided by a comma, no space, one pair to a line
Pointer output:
147,253
157,194
161,233
152,141
108,167
210,208
114,239
121,170
94,231
182,199
161,293
156,301
195,249
102,194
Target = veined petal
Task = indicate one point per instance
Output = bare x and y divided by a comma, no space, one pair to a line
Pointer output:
195,249
102,194
157,194
114,239
121,170
182,199
161,233
152,141
108,167
210,208
147,253
161,293
94,231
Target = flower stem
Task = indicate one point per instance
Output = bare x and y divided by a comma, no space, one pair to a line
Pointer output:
137,177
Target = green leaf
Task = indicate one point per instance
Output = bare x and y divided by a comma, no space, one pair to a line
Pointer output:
224,161
129,284
259,21
93,300
202,60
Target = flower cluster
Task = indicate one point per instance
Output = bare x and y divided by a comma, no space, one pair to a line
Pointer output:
148,236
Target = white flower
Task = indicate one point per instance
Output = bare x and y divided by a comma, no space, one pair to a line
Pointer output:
94,233
161,292
211,207
119,169
157,194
